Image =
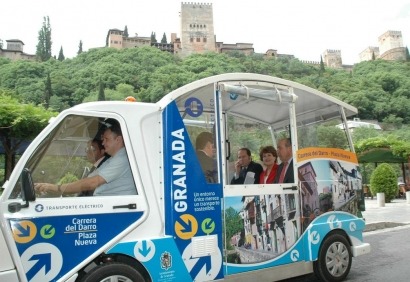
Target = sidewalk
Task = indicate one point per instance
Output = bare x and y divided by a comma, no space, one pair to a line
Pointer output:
393,214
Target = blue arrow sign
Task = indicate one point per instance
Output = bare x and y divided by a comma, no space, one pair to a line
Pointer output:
145,249
203,261
186,226
24,232
43,260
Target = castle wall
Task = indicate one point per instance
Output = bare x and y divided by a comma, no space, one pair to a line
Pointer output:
16,55
132,42
367,54
394,54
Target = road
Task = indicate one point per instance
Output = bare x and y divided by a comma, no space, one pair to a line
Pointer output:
389,259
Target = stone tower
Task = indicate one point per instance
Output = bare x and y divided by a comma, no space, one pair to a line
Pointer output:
332,58
390,40
391,46
197,28
114,38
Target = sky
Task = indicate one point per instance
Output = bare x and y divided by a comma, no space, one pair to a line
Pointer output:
301,28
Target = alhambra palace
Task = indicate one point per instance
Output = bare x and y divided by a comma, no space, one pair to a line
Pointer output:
197,36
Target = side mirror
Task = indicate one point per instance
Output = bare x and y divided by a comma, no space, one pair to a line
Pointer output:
28,193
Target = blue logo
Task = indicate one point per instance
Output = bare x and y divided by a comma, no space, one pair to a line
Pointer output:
233,96
39,208
194,107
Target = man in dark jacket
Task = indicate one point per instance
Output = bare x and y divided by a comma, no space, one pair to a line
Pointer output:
285,169
246,170
204,145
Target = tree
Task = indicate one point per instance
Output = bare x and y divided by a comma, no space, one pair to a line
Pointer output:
19,122
407,55
61,55
362,133
47,92
153,37
125,31
384,180
233,223
322,66
1,44
43,48
331,137
80,48
101,94
373,56
164,39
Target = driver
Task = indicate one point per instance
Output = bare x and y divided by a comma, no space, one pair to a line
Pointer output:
113,177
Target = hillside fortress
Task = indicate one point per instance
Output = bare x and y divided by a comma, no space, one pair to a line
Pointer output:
197,35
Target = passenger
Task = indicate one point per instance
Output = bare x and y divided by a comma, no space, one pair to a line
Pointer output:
204,145
269,157
285,169
96,155
246,170
113,177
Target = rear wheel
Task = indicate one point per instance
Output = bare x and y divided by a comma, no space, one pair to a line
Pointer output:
113,272
334,260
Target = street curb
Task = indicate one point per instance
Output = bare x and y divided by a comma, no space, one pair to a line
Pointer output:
381,225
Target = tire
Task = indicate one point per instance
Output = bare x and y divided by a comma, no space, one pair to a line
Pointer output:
113,271
334,260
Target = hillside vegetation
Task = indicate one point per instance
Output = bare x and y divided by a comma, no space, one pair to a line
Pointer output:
379,89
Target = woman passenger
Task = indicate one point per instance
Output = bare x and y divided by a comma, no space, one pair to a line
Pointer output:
269,158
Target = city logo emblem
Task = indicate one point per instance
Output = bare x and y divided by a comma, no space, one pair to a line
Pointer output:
166,261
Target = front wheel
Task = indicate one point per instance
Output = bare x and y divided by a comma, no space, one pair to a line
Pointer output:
334,260
113,272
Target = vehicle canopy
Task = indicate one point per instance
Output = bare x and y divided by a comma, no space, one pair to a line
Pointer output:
260,95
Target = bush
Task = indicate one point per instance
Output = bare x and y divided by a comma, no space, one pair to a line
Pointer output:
384,180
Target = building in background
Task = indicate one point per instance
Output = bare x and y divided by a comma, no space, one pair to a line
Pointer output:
390,48
197,29
14,51
198,36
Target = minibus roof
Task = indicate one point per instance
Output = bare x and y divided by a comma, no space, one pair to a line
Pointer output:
261,95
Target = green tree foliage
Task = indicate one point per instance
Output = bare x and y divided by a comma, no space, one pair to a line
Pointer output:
331,137
80,47
19,122
153,37
322,66
61,55
48,92
43,48
164,39
125,31
233,223
379,89
384,180
362,133
101,94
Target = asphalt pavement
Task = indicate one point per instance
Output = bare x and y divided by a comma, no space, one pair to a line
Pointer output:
377,216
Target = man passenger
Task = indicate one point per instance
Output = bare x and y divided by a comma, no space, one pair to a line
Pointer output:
285,169
205,151
245,168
